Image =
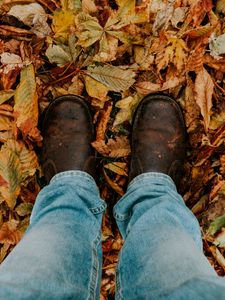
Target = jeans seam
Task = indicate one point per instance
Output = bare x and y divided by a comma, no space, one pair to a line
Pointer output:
118,283
98,209
94,269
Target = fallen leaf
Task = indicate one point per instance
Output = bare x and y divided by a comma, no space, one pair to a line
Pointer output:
6,95
117,167
115,78
113,184
26,102
24,209
203,94
218,256
217,45
118,147
17,163
127,107
33,15
216,225
61,23
95,88
9,232
103,121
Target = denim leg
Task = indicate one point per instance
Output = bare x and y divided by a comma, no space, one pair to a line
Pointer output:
162,256
60,255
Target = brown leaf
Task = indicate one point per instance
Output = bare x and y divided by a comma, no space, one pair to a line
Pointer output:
203,94
118,147
113,184
103,121
9,232
117,167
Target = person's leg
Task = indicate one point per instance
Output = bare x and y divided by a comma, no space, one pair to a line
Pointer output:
60,255
162,257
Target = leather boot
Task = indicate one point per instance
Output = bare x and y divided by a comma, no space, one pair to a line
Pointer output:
67,132
158,138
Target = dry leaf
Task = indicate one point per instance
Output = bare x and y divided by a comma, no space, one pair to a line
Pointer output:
95,88
115,78
118,147
203,94
33,15
103,121
117,167
9,232
26,103
127,107
113,184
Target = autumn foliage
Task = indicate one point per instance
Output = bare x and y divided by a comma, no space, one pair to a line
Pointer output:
113,53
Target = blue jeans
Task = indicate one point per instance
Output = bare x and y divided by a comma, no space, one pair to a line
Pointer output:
60,255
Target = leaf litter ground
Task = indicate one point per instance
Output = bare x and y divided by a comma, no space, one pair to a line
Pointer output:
113,53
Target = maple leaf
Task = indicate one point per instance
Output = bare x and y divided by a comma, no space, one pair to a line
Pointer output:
127,107
175,53
26,103
204,89
61,23
118,147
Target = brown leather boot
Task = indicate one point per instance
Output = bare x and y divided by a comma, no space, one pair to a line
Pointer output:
67,132
158,138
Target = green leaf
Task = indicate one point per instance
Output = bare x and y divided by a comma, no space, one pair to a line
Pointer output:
56,54
115,78
216,225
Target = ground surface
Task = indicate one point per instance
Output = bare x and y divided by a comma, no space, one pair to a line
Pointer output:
113,53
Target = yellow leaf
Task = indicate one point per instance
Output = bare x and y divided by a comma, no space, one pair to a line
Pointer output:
26,103
95,88
6,95
5,123
127,107
176,53
203,95
117,167
62,21
17,163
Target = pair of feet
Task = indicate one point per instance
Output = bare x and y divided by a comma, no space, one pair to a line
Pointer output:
158,137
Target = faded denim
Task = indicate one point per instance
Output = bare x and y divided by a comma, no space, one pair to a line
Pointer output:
60,255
